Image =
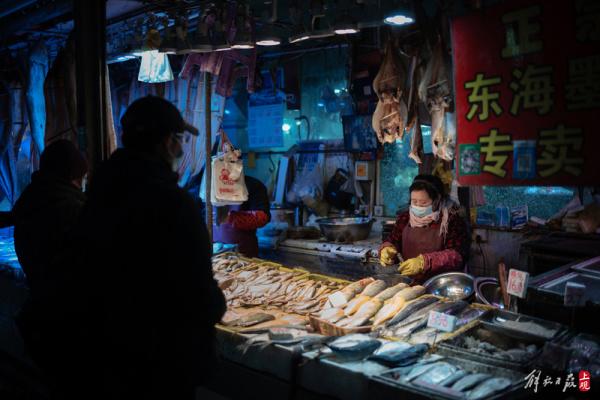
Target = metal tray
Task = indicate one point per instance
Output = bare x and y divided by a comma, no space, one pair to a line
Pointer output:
452,349
494,322
516,390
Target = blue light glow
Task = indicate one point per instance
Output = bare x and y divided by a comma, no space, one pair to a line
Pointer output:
155,67
286,128
227,112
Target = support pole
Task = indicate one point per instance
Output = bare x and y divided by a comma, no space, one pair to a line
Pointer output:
208,151
90,39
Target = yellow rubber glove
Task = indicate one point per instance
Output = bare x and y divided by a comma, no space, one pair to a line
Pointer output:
387,256
412,266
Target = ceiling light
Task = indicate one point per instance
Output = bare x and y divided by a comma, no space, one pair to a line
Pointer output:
269,42
345,25
398,19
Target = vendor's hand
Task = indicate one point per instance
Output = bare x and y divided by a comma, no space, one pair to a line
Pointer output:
387,256
412,266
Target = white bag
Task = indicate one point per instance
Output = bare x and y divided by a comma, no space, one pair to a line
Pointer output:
228,183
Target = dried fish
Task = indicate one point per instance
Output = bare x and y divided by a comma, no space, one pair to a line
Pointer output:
397,302
453,378
391,291
364,313
252,319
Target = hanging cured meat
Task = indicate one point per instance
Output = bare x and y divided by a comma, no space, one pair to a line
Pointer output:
391,113
435,92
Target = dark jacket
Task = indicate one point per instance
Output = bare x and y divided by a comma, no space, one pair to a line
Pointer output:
44,215
143,282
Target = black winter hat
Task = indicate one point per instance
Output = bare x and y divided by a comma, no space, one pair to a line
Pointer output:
62,159
150,119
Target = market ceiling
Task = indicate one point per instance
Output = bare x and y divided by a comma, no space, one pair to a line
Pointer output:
23,20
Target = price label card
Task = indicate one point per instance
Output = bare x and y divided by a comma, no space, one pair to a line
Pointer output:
441,321
517,283
574,294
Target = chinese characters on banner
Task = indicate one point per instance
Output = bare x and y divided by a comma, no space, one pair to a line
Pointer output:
527,78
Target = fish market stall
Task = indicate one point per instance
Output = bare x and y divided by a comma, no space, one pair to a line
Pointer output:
322,336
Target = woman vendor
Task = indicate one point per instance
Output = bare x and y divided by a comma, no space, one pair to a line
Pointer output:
431,236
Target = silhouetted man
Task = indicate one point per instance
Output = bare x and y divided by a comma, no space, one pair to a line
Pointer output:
143,269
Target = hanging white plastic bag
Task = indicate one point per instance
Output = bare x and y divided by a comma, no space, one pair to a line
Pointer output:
228,183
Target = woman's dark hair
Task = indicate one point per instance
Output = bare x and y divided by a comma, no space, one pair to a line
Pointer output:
429,183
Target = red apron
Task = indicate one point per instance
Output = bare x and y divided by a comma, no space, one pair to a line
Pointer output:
417,241
246,241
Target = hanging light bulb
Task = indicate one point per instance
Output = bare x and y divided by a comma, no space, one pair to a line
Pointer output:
345,25
244,32
268,37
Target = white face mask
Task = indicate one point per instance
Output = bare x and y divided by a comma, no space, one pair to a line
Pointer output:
421,212
175,150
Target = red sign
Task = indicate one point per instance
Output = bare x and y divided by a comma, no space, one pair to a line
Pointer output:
527,79
584,381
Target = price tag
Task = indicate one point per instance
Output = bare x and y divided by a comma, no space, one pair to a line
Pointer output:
517,283
574,294
441,321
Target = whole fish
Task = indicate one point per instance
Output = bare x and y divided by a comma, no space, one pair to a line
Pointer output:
416,143
488,388
252,319
332,314
343,296
354,346
449,308
38,63
453,378
364,313
391,291
399,354
469,382
436,375
411,308
402,327
427,335
422,369
370,291
397,302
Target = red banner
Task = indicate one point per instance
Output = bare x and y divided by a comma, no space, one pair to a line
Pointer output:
527,79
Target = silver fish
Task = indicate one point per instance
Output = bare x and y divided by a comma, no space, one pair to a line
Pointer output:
453,378
411,308
436,375
422,369
469,382
488,388
354,347
396,354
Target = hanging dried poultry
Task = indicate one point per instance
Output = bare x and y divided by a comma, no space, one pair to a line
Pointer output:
435,92
391,113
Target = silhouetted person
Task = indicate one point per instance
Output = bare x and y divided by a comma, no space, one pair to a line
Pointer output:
48,208
45,216
144,301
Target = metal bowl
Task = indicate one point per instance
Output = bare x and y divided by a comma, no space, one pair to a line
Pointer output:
487,291
345,230
453,285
